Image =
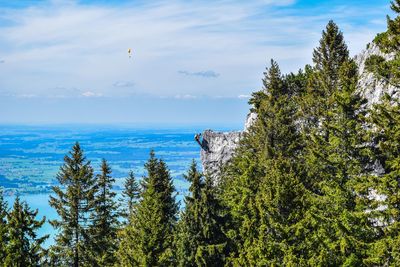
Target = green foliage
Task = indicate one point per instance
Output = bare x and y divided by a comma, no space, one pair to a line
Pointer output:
389,43
3,228
130,196
335,158
74,203
385,132
104,219
212,248
330,55
262,186
149,234
385,118
297,191
189,228
23,247
200,239
294,188
322,80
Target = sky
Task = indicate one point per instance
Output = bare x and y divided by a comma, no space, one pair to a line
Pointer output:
192,62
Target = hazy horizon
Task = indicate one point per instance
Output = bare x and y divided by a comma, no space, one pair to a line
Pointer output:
66,61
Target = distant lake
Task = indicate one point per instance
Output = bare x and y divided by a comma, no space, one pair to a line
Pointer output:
30,156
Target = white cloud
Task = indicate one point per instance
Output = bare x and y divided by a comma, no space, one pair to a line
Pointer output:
187,96
123,84
85,46
244,96
27,96
203,74
91,94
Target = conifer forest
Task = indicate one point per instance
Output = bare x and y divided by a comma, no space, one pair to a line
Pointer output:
315,181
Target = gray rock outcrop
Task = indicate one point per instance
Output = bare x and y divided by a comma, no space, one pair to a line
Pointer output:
219,147
371,88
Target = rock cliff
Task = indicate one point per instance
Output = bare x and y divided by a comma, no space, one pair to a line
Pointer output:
371,88
218,147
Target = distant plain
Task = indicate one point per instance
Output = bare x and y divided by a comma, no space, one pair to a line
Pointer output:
30,156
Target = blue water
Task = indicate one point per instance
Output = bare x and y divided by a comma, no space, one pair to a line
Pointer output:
30,157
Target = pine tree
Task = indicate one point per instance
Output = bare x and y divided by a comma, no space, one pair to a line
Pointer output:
389,43
189,227
74,203
335,158
264,161
385,119
212,249
24,246
200,239
3,228
130,196
148,239
328,57
104,219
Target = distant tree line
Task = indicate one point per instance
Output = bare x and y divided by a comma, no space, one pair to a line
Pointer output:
301,190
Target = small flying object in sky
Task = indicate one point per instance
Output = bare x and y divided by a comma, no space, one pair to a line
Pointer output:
129,52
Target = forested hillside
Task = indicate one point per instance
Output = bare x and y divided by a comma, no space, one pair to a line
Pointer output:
302,188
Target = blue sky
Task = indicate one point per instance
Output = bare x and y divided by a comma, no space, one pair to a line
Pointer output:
193,62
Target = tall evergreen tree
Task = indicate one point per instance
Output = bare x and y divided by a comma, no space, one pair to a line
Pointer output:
213,246
328,57
335,158
385,119
74,203
189,227
3,228
264,161
389,43
385,211
130,196
104,219
24,246
200,239
149,235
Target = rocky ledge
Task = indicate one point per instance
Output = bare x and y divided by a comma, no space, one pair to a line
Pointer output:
218,147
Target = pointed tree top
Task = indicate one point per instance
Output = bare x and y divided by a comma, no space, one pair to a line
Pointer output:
395,6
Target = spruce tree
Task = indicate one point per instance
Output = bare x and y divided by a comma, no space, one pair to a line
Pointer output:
189,226
384,119
3,228
130,196
323,80
24,246
389,43
148,239
265,161
330,55
335,158
74,203
385,211
213,246
200,239
104,219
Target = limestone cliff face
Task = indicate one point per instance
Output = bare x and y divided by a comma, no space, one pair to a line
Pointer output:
218,147
371,87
